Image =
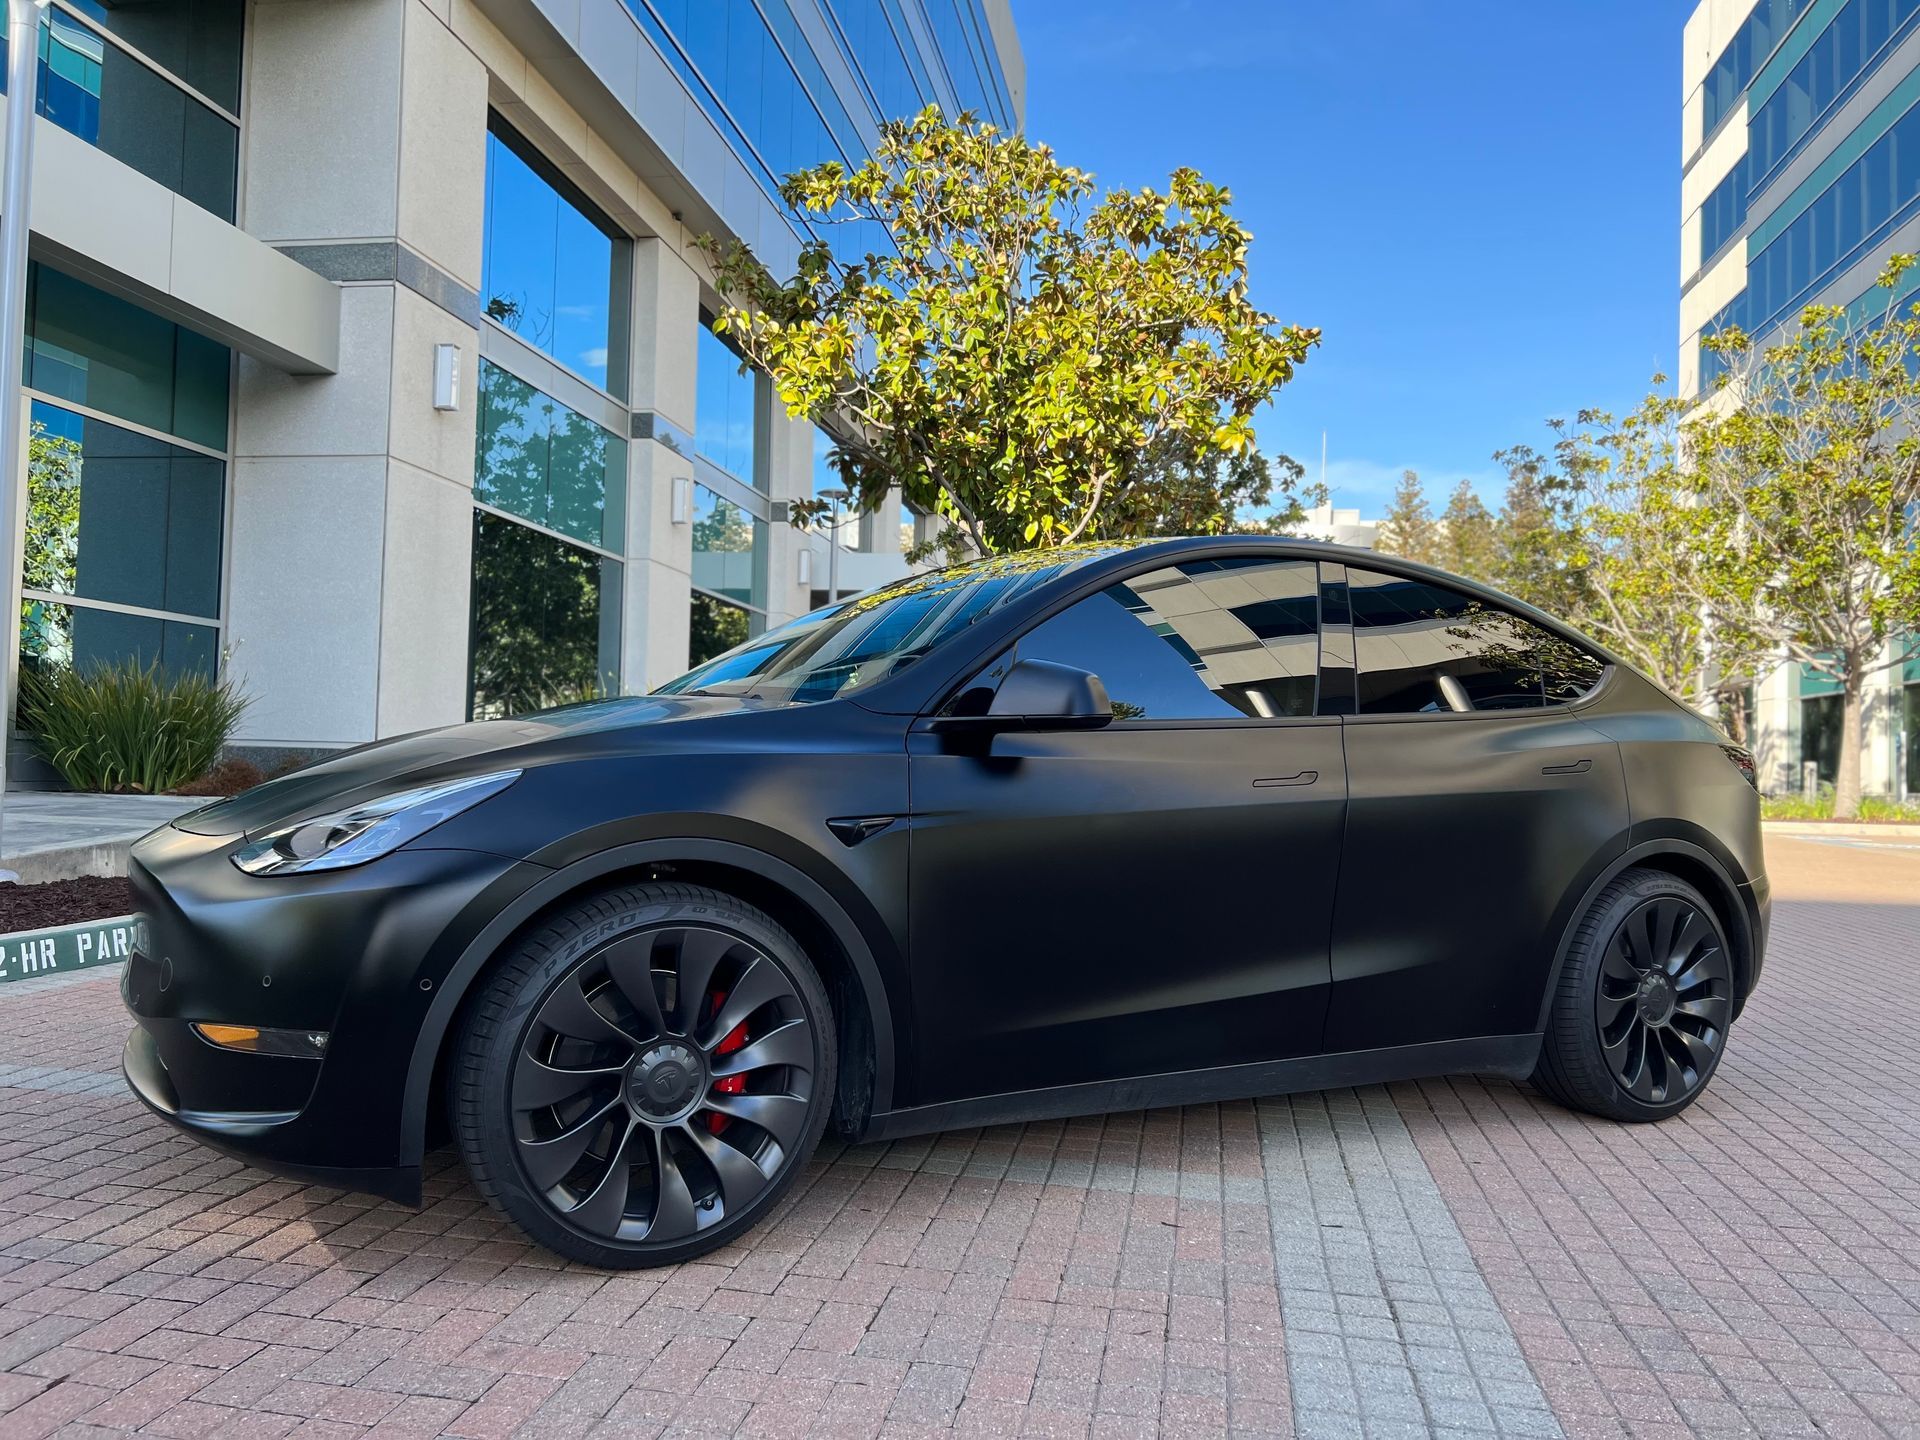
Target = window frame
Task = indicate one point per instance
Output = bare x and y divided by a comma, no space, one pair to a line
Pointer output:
1165,561
1546,707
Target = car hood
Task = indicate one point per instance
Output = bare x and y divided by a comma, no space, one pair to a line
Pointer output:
428,756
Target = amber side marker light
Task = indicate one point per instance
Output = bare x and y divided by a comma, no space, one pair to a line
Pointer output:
256,1040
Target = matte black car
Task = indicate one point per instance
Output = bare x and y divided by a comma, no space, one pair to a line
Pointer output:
1038,836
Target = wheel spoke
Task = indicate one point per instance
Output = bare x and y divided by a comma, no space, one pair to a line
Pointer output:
1659,933
630,965
763,981
1707,966
606,1205
674,1215
740,1178
1617,964
788,1044
1711,1010
537,1084
568,1012
548,1161
1685,940
1694,1052
782,1116
701,952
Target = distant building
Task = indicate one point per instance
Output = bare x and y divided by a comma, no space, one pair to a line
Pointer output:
1340,526
1801,175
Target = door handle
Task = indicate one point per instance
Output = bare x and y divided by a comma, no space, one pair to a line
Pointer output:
1299,777
1577,767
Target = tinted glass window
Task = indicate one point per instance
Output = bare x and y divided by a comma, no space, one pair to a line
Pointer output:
1420,647
538,459
1202,641
546,621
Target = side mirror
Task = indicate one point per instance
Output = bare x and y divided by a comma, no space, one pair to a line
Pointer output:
1040,695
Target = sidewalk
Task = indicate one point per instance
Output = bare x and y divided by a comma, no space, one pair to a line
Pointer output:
58,835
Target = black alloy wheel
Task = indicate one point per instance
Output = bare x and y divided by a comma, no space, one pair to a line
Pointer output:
1664,999
1639,1019
646,1082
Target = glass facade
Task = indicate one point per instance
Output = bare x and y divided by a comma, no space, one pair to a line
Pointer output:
1742,59
98,351
725,423
538,460
546,621
121,558
714,627
1910,736
555,272
729,549
1846,51
123,78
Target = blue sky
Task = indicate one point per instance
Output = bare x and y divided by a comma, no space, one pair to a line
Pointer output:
1478,202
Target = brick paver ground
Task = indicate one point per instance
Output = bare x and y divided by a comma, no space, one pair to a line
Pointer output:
1452,1257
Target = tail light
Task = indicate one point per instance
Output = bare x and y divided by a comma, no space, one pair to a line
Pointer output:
1742,759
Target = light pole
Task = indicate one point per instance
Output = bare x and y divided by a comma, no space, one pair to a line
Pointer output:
833,498
23,63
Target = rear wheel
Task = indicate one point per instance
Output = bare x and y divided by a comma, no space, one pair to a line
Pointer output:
645,1075
1640,1016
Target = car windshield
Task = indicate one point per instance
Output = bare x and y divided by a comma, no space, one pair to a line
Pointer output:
862,641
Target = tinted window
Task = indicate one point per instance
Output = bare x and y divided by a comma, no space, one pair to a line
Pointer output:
1202,641
1421,647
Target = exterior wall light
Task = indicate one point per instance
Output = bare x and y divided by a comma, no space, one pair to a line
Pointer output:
682,500
446,377
806,565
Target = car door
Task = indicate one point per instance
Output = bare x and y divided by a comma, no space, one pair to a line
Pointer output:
1149,897
1478,801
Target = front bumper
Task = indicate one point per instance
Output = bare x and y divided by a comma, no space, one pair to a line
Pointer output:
358,953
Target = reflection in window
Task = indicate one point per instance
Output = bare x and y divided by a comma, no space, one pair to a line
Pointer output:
99,351
1205,640
92,88
714,627
1852,40
546,621
64,637
1911,694
1422,648
724,428
197,40
728,548
546,463
1820,726
121,517
553,271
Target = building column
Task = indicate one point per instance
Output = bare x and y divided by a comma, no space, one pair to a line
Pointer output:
659,550
789,478
352,526
1776,723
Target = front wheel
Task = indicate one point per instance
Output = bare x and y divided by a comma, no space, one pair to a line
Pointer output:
1639,1019
644,1075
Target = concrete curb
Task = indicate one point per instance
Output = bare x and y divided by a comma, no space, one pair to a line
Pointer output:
106,859
1844,829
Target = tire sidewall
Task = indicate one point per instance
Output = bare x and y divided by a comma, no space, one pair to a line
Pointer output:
1587,1063
497,1025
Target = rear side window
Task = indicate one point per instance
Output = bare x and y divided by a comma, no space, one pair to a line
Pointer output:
1208,640
1420,647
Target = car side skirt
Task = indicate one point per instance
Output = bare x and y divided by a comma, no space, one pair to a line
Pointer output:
1510,1056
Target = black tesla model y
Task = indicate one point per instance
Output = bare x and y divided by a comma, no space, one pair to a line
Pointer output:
1038,836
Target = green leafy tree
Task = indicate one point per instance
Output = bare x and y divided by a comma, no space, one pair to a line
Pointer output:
1533,531
1007,362
1408,528
1176,486
1624,546
1467,543
1805,471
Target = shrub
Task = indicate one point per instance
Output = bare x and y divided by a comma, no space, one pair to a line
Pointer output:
1820,807
128,728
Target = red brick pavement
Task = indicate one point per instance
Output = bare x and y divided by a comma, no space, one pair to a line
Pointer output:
1753,1267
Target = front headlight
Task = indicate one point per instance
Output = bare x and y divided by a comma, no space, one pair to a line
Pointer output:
366,831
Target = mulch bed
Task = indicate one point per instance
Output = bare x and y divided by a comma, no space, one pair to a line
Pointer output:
62,902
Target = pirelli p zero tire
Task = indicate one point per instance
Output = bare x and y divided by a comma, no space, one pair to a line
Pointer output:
644,1076
1639,1020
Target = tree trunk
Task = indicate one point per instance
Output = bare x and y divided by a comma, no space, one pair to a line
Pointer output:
1846,778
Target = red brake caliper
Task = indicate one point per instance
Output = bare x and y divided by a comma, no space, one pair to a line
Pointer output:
736,1039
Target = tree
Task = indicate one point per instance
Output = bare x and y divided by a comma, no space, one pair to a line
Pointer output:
1467,543
1621,552
1408,529
1806,477
1534,526
1006,363
1175,486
